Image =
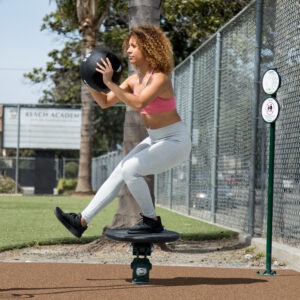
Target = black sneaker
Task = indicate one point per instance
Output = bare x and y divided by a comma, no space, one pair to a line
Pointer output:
71,221
146,225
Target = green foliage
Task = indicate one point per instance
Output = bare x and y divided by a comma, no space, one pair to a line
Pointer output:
259,255
249,250
190,23
108,125
64,20
115,28
71,169
23,152
66,186
7,185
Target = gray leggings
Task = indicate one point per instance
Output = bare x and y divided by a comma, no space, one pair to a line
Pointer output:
163,149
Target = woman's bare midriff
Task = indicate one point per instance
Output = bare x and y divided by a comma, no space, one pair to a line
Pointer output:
155,121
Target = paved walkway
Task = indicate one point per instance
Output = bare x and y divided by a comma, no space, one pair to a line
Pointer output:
89,281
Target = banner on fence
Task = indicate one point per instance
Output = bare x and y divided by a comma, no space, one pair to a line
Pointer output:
41,128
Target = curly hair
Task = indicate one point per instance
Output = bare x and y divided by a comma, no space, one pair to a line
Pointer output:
155,46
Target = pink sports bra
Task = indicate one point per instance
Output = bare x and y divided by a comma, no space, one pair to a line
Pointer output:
158,105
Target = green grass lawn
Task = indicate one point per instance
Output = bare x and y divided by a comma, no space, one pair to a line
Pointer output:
29,221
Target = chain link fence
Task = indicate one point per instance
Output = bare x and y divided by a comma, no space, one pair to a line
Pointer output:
102,167
215,90
283,43
30,172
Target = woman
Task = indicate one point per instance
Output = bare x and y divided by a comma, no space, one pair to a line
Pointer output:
150,92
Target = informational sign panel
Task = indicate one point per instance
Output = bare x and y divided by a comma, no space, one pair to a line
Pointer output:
41,128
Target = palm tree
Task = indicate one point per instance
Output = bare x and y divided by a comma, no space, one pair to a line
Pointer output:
140,12
90,15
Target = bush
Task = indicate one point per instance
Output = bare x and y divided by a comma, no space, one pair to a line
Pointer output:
7,185
71,170
66,186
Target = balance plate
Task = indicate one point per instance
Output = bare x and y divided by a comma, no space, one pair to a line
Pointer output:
123,236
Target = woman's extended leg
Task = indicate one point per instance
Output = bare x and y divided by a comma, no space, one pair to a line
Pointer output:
111,187
77,223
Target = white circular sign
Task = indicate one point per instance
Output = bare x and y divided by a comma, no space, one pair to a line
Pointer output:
270,110
271,82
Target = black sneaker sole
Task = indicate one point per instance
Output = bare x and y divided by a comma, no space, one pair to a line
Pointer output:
59,215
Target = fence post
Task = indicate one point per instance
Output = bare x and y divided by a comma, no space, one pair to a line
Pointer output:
214,168
18,150
190,128
170,172
255,105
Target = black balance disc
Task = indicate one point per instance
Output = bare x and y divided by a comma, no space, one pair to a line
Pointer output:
88,72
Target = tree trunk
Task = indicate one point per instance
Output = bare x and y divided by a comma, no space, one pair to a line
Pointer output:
89,18
84,186
140,12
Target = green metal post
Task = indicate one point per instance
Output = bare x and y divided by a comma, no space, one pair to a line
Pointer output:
141,266
268,270
270,111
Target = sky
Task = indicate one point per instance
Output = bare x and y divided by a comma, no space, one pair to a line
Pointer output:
23,47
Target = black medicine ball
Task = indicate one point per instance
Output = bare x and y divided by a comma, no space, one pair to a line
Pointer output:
88,72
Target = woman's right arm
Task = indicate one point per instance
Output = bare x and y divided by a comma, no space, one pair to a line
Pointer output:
110,99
